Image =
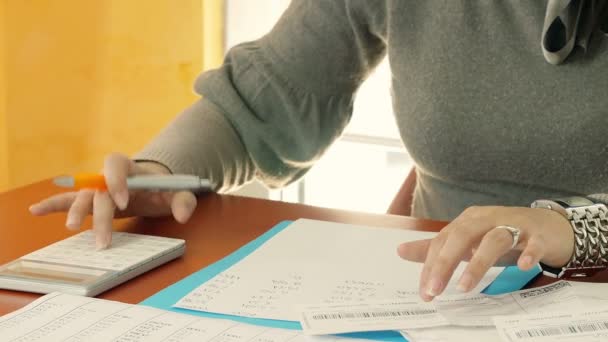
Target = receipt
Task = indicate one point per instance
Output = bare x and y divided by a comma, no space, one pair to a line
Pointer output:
451,334
577,326
478,310
466,310
591,295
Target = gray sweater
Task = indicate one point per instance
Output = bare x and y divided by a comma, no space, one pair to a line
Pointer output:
485,118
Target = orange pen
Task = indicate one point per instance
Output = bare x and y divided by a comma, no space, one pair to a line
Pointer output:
140,182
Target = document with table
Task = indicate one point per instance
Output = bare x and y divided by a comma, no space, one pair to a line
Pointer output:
313,262
70,318
64,317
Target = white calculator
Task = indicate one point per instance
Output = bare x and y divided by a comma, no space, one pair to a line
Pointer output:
74,266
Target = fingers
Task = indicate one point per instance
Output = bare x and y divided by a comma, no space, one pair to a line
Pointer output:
116,169
544,236
493,246
457,245
182,205
80,208
535,250
424,251
435,246
102,204
415,250
103,213
53,204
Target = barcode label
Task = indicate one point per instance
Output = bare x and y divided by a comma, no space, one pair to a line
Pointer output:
564,330
381,314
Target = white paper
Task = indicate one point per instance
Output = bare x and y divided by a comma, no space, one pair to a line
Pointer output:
456,310
69,318
317,262
127,250
478,310
577,326
452,334
591,295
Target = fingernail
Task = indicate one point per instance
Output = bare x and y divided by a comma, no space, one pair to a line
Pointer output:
102,243
425,297
72,223
122,199
526,261
99,245
401,249
434,287
464,284
108,240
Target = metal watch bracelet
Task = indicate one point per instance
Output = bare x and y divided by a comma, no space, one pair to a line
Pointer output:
590,226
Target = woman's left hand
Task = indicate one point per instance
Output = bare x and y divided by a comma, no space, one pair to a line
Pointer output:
545,236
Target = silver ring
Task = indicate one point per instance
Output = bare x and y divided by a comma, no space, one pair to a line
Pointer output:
515,233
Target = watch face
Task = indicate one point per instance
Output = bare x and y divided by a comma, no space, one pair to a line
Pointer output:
574,201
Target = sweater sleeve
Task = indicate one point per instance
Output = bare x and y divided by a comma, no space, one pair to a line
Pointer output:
285,97
200,141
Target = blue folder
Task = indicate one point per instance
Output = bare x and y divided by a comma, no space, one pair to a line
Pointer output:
511,279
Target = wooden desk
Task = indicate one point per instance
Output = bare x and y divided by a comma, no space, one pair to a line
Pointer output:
220,225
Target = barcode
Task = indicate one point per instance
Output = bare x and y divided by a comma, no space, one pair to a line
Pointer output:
567,330
545,289
378,314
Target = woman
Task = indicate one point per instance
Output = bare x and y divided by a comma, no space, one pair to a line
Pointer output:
499,103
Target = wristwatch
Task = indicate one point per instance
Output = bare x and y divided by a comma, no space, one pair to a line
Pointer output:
589,222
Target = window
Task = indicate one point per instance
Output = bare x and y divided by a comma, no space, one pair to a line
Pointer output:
365,167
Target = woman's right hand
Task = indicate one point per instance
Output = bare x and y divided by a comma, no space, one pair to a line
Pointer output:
118,201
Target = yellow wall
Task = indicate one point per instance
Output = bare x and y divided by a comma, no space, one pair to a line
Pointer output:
213,33
85,78
3,128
